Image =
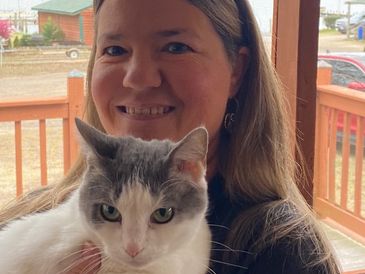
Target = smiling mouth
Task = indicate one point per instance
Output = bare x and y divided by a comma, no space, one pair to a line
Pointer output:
146,111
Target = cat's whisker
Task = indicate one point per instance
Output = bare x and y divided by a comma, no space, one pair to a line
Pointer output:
169,183
229,264
220,226
78,251
94,265
210,270
94,259
223,245
81,260
103,264
227,250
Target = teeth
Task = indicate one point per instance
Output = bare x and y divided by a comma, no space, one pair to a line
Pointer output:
146,111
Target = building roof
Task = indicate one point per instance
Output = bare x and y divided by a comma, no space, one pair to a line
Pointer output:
67,7
355,2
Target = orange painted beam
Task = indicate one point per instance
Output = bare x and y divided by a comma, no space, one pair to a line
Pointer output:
295,47
359,165
43,151
37,109
18,158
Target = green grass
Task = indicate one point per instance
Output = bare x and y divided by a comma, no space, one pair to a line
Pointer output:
328,32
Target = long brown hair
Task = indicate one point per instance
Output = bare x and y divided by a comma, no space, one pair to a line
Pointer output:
255,159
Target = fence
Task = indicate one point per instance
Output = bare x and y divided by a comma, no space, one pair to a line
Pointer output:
41,109
339,171
340,134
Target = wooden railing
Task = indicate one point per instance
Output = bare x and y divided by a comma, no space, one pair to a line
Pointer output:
41,109
339,165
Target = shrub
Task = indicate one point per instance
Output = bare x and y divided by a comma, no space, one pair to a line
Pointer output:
4,29
32,40
16,42
51,32
330,20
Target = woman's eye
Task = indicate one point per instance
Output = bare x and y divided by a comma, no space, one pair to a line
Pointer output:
110,213
162,215
177,48
114,51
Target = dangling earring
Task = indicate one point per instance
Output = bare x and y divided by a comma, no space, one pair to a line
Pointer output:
232,108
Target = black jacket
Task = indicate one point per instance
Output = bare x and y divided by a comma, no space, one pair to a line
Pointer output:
277,258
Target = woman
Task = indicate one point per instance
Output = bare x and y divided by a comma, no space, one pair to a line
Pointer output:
159,69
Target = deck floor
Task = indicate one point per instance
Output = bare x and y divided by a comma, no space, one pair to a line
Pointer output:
350,253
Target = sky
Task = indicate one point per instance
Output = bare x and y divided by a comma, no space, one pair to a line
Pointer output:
23,5
331,5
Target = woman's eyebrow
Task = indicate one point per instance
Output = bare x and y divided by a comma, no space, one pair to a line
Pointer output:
110,37
117,37
174,32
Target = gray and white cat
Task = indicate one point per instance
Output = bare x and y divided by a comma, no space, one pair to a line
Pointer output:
142,203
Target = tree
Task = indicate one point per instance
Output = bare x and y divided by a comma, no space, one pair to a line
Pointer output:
52,32
4,29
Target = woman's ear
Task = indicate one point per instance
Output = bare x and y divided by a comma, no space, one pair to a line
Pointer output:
239,69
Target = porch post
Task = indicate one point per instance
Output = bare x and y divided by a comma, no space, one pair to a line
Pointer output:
295,31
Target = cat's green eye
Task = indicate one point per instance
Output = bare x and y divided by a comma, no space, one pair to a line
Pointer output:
110,213
162,215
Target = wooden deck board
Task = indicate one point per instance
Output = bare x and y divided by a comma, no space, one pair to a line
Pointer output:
350,252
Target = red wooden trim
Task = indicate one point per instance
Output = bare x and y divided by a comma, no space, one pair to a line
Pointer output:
66,146
326,205
75,94
43,151
19,158
345,161
322,152
358,164
332,155
295,59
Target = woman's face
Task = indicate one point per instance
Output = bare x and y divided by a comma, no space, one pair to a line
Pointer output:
160,70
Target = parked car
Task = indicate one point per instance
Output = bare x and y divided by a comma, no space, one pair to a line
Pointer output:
355,20
348,70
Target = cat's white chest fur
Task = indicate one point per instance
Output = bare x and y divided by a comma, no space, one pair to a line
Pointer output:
40,243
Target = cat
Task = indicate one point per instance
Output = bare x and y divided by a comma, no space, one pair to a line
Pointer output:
142,203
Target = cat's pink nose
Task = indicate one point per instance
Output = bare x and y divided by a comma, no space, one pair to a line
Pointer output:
133,250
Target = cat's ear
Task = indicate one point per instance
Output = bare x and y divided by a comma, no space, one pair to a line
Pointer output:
189,155
94,141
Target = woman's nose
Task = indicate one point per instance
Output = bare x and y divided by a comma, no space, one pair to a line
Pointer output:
141,73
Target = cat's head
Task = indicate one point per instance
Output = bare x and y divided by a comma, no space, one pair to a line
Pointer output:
143,199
